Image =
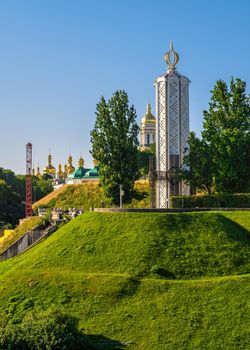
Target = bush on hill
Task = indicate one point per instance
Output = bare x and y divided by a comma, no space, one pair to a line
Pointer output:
239,200
50,331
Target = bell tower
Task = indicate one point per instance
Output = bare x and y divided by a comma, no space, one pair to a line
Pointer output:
172,129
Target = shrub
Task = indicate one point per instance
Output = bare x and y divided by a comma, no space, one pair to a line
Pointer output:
239,200
47,331
12,338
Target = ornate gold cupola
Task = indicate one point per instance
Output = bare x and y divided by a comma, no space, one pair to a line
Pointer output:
50,169
147,129
80,162
65,173
148,117
60,174
70,167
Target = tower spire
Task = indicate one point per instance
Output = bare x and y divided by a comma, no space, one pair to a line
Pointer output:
171,57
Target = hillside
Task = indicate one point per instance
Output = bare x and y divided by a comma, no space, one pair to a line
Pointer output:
45,200
90,194
159,281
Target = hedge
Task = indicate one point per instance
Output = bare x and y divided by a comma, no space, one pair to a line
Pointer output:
238,200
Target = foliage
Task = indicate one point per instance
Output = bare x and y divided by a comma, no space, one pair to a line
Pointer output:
225,145
141,197
143,160
197,170
41,186
114,145
51,331
238,200
92,269
11,208
10,204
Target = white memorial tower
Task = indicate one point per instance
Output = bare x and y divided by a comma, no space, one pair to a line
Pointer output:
172,129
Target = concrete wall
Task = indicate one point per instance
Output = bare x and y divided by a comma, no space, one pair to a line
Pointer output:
28,239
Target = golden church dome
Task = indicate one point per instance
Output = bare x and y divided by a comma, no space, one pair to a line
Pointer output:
70,167
80,162
49,169
60,173
148,117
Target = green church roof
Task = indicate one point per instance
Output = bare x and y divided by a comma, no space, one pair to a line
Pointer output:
81,173
78,173
94,172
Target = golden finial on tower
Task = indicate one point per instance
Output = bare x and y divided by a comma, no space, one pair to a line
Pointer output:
148,108
60,172
70,167
49,159
80,162
171,57
38,174
65,170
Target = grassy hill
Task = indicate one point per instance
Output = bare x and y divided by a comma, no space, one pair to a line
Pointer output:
157,281
90,194
49,197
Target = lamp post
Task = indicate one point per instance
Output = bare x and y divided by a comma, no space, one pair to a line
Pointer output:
121,195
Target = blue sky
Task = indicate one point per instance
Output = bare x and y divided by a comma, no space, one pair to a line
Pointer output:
58,57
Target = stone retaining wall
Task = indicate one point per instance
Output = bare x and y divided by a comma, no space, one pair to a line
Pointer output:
28,239
155,210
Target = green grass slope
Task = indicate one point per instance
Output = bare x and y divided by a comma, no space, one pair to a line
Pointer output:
157,281
90,194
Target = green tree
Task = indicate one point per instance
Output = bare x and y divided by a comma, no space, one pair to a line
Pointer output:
114,145
41,186
11,208
197,165
220,160
227,132
143,160
8,176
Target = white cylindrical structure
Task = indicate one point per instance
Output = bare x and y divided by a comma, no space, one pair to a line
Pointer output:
172,129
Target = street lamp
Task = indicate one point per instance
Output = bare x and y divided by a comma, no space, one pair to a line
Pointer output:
121,195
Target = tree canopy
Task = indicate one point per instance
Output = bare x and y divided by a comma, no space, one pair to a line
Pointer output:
114,145
10,205
220,159
13,192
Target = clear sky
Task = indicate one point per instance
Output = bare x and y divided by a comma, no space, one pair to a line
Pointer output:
58,57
